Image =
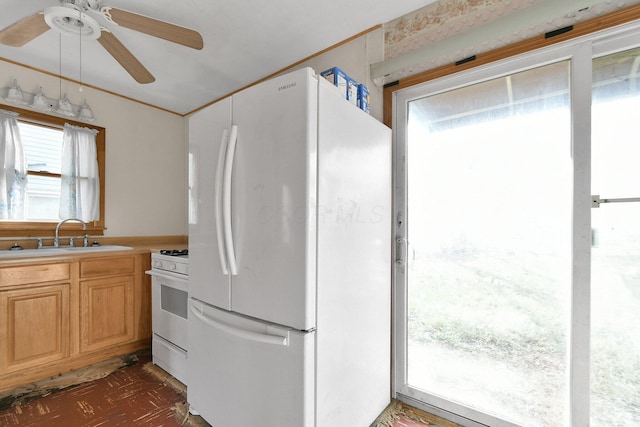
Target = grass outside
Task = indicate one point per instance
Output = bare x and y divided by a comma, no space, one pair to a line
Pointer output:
506,315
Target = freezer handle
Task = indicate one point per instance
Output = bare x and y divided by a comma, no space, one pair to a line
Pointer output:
226,201
241,333
218,201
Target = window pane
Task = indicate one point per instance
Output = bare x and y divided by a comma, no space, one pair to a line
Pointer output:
489,222
43,198
42,146
43,152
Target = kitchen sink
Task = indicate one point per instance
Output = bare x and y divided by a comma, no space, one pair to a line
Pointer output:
59,251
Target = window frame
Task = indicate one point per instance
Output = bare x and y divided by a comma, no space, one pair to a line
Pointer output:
47,228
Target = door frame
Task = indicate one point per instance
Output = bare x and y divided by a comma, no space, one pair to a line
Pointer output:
580,51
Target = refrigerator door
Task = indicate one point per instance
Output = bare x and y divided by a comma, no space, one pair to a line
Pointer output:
209,132
246,373
353,355
274,190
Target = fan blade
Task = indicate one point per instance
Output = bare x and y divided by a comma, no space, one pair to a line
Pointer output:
24,30
154,27
121,54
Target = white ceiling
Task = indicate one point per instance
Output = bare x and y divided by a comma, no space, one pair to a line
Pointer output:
244,41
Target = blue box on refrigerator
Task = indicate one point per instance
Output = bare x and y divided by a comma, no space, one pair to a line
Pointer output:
338,78
363,98
352,91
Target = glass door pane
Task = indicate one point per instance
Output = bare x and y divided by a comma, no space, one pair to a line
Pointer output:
615,307
488,228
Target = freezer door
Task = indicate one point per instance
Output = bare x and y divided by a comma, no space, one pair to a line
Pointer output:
245,373
209,131
274,194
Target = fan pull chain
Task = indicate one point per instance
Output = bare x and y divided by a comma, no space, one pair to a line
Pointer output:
60,65
80,89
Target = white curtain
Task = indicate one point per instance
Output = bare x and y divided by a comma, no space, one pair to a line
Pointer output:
80,191
13,177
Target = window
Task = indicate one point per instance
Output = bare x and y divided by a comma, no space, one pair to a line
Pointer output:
42,147
41,136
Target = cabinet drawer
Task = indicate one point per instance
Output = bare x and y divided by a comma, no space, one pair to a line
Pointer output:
29,274
107,266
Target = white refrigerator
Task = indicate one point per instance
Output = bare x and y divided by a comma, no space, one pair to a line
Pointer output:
289,258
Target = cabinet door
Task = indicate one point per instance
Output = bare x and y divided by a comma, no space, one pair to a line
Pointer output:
34,326
106,312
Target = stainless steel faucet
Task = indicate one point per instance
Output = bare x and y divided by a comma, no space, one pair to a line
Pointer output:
56,240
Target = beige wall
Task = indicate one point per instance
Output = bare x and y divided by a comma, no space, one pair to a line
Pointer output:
354,58
145,156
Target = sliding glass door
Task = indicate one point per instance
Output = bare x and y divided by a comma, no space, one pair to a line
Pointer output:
488,222
615,321
509,310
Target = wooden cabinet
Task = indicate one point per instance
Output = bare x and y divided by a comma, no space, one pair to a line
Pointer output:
106,303
34,326
59,316
33,274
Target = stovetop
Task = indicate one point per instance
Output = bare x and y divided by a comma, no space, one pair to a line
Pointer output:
173,260
174,252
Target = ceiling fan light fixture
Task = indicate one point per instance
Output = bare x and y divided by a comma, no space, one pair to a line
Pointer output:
71,21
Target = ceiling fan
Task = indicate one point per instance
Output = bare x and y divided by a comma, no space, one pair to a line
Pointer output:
80,17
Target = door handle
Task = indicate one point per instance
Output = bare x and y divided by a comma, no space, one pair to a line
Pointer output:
402,247
241,333
226,201
218,201
596,200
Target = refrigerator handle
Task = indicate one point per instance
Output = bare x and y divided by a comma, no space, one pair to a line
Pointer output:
218,201
226,201
241,333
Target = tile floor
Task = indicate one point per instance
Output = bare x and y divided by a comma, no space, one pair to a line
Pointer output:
127,397
133,396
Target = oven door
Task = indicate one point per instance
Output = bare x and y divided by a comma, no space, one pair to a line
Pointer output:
169,300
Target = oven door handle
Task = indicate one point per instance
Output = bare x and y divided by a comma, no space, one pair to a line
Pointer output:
218,201
226,201
167,275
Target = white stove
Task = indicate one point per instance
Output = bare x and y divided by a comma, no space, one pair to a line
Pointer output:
169,299
174,261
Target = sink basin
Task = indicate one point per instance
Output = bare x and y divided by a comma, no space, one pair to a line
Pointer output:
102,248
50,251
